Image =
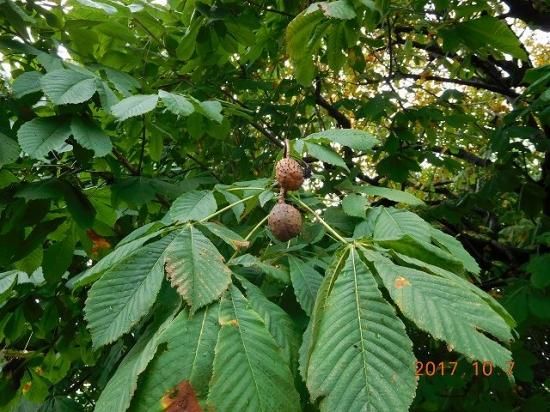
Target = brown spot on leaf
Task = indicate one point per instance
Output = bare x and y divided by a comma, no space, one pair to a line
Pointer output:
26,387
181,398
241,244
401,282
231,322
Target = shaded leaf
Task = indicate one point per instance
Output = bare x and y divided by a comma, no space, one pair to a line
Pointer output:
38,137
305,281
90,136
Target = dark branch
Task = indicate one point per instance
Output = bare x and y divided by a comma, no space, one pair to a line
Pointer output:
462,154
478,84
333,112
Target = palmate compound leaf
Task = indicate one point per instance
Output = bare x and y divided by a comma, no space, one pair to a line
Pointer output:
448,311
361,358
196,268
126,292
119,390
250,375
188,356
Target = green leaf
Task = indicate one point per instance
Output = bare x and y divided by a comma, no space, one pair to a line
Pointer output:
7,281
122,251
68,86
354,205
462,282
325,154
539,268
391,194
57,259
134,106
456,249
118,392
321,303
196,268
156,146
38,137
238,209
490,32
90,136
250,261
339,9
250,375
176,103
213,110
189,355
355,139
227,235
195,205
424,251
79,206
125,293
395,223
305,281
301,46
98,5
362,353
186,47
447,312
279,324
9,150
27,83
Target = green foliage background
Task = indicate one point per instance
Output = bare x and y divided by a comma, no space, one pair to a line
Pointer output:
137,143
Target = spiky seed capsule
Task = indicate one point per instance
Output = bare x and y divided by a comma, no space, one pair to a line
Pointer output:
285,221
290,174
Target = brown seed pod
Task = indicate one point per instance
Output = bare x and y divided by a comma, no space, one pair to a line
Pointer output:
285,221
290,174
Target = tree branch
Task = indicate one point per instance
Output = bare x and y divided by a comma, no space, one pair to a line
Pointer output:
333,112
462,154
478,84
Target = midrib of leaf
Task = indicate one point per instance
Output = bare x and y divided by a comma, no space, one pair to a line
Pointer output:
246,350
44,141
70,89
204,316
357,308
392,218
315,320
132,296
